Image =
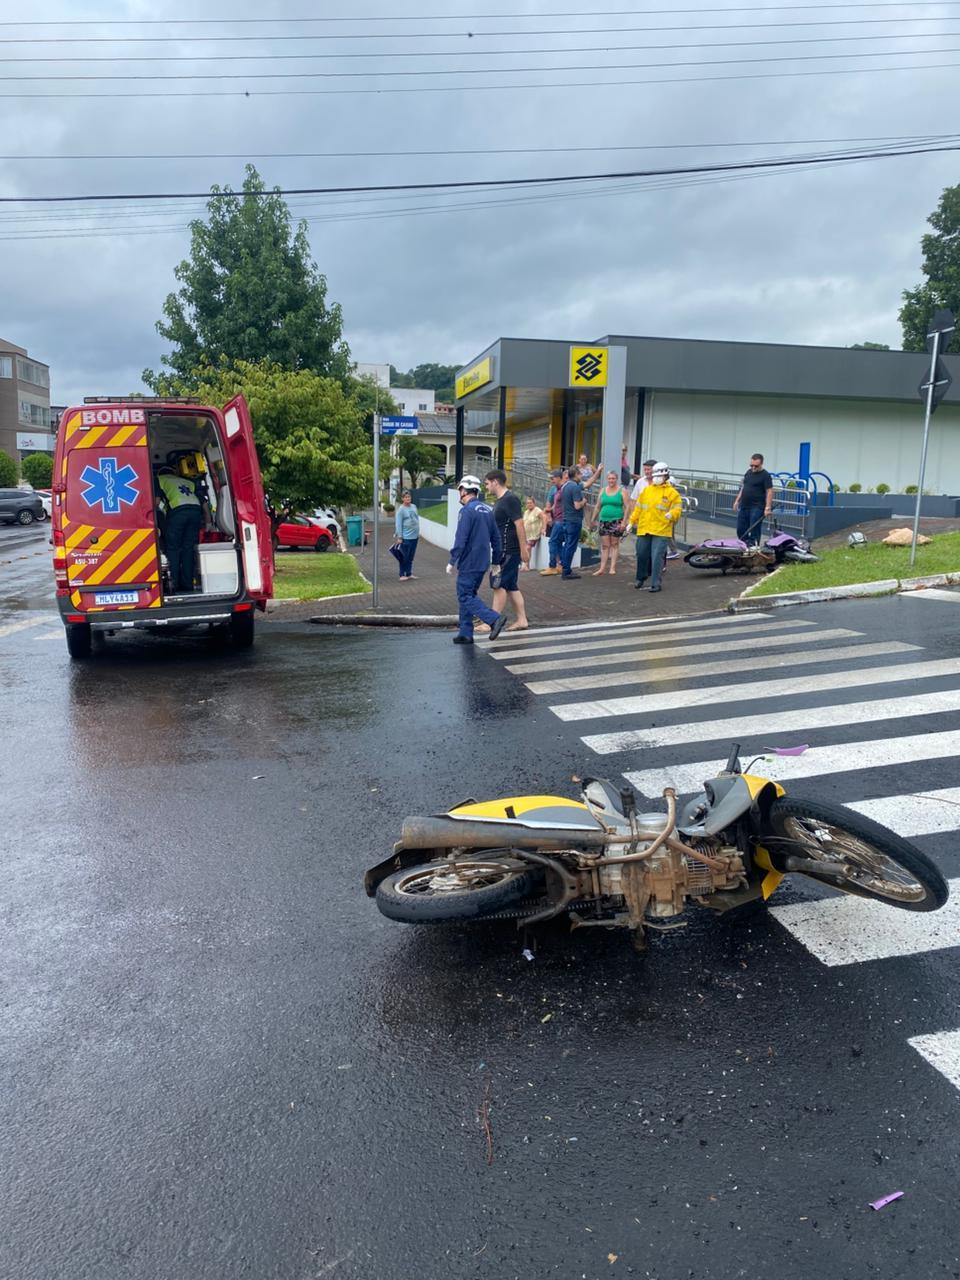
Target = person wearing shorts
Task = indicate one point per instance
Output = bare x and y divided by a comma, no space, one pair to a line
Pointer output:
609,513
508,517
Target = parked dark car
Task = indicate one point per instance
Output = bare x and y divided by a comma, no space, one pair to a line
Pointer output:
20,506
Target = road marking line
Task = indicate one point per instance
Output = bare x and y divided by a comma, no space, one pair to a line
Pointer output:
802,719
676,699
932,593
848,930
656,635
655,675
942,1050
652,626
838,758
681,650
11,628
923,814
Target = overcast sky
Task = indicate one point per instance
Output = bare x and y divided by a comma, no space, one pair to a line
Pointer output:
811,256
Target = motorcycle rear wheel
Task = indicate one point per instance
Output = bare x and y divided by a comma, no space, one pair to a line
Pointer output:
881,865
705,560
475,887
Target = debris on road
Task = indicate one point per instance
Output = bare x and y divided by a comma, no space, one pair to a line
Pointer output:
878,1204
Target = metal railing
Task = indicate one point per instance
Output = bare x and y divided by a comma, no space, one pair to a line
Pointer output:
715,492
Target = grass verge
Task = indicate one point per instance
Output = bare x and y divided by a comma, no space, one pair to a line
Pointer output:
310,575
437,513
872,563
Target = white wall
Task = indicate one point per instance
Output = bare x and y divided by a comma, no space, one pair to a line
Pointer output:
851,441
379,372
411,398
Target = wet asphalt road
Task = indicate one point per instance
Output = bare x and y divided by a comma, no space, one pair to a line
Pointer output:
218,1059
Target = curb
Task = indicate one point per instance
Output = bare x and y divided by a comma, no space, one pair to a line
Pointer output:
386,620
273,605
882,587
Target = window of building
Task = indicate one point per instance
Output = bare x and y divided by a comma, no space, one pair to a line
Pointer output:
6,366
30,371
421,407
34,415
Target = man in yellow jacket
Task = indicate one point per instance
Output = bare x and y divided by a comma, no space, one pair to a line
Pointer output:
655,512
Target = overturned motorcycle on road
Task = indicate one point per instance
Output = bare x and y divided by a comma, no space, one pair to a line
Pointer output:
600,861
748,557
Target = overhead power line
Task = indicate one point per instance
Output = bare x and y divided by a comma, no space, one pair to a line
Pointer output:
475,151
482,35
484,53
453,17
476,71
368,91
489,184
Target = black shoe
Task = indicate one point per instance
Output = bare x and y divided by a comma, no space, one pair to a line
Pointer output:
655,588
463,640
569,577
498,626
638,586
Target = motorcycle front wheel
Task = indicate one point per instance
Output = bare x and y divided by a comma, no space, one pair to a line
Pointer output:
879,864
705,560
467,889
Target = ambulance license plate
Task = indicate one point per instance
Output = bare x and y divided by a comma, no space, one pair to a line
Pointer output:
116,597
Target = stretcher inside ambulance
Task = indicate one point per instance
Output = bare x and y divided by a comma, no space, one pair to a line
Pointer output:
159,520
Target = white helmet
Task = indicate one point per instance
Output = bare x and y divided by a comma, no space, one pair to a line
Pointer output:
856,539
469,482
661,469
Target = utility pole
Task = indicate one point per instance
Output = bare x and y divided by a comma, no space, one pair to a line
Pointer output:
376,503
932,391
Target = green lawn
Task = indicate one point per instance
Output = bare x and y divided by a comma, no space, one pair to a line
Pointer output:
437,513
872,563
310,575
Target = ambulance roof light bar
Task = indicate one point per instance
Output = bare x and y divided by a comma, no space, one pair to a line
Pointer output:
135,399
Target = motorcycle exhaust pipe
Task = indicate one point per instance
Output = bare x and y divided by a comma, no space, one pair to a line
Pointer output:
448,833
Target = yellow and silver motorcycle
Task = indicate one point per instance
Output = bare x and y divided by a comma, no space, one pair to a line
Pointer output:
601,861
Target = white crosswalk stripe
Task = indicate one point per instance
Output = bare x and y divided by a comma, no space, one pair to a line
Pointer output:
654,674
645,703
880,753
932,593
785,722
611,630
665,634
770,660
663,647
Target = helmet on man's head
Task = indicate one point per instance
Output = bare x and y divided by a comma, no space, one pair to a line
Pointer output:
469,482
661,469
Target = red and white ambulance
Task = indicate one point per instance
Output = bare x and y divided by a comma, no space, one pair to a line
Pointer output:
107,517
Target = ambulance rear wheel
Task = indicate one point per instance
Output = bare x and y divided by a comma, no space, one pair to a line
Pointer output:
241,630
79,639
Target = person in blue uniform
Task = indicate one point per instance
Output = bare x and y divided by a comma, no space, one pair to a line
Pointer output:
476,545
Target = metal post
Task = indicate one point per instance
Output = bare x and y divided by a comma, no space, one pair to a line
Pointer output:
614,404
458,447
502,426
565,427
928,410
638,437
376,510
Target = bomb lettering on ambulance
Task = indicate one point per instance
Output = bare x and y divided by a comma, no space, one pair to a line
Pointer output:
109,488
112,417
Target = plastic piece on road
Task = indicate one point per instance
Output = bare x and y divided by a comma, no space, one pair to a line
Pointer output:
791,751
878,1204
528,954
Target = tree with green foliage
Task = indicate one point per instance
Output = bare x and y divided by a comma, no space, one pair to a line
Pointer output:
249,292
8,471
941,267
418,458
309,431
440,378
37,470
870,346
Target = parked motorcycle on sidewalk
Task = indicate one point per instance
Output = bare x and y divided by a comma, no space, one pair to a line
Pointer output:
733,553
602,862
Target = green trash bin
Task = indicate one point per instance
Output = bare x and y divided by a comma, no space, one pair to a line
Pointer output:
355,531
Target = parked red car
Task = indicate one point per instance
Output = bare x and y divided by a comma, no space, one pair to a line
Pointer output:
302,531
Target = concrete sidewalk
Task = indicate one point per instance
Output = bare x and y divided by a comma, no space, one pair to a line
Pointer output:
549,601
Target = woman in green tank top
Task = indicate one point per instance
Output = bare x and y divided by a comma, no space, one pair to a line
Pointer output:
608,514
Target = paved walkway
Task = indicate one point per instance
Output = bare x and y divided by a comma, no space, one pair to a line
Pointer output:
549,601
